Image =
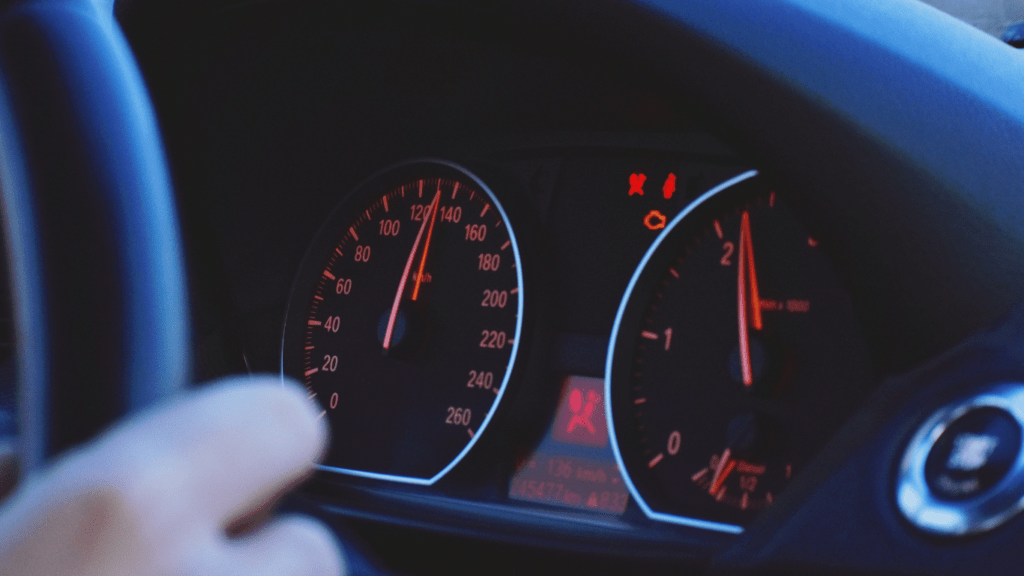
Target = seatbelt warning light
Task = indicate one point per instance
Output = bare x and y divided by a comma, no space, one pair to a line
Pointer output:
669,188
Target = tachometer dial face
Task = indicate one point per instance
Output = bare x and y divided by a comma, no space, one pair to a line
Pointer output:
405,321
735,354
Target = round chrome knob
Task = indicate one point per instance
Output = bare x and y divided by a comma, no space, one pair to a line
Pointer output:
963,471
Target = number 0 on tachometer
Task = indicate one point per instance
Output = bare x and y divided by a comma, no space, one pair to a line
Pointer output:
405,320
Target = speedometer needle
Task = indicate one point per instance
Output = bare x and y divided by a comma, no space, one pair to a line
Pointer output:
426,248
405,273
746,263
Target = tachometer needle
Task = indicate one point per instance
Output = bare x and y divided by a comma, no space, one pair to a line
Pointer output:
405,273
755,300
745,264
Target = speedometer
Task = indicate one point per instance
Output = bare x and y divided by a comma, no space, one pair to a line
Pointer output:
405,321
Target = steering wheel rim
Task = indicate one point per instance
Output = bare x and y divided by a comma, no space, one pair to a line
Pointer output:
98,286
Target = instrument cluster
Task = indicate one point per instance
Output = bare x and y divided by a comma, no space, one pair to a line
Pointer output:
653,336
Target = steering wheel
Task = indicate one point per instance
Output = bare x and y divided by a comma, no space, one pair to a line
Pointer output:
96,264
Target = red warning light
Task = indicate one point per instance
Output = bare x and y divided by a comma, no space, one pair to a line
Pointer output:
655,220
636,184
669,188
581,411
580,417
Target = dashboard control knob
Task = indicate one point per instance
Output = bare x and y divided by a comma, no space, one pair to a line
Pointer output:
973,454
963,471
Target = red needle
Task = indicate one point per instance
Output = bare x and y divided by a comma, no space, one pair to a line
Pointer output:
755,301
405,274
423,259
741,293
725,466
746,264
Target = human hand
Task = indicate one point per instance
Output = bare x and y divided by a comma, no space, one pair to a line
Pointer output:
162,492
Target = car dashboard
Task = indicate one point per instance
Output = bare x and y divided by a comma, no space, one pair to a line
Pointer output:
604,153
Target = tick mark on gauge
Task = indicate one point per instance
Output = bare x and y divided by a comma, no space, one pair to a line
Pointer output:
700,475
506,244
318,297
486,208
514,291
673,272
455,190
654,461
314,323
322,414
649,335
639,401
718,229
310,347
352,230
312,371
338,252
470,430
386,209
421,188
329,275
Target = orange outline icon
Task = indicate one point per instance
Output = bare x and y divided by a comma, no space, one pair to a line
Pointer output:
655,220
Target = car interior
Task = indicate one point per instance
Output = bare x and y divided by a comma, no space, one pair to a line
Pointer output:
604,287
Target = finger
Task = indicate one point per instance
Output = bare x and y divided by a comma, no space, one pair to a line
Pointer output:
219,452
289,546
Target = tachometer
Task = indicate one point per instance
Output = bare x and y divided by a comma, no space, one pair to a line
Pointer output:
405,321
735,353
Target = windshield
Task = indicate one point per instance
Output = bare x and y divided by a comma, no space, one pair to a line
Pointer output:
994,17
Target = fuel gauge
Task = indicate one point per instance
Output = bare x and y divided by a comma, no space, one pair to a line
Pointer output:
735,354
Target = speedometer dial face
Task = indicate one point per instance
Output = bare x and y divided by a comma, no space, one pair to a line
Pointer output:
736,353
405,321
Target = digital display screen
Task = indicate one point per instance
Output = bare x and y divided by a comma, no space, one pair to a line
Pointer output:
573,466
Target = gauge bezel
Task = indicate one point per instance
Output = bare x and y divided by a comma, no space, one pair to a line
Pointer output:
381,182
613,351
